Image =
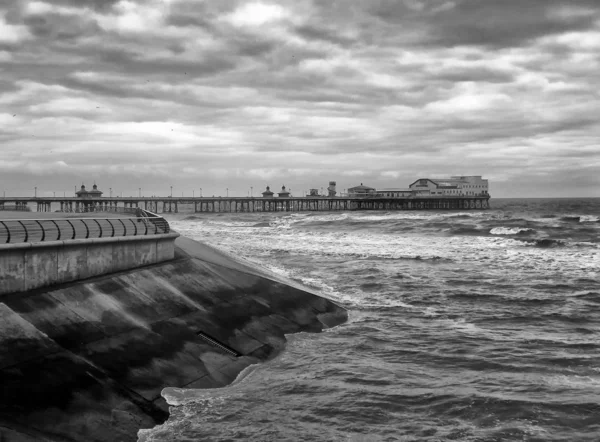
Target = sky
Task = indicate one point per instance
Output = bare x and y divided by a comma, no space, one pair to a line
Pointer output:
230,95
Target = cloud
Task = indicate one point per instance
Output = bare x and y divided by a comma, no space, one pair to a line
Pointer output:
256,14
241,93
486,23
11,33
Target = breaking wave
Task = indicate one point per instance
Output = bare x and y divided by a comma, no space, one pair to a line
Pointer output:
511,231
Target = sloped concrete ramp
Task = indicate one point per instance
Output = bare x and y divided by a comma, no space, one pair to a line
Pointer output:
87,361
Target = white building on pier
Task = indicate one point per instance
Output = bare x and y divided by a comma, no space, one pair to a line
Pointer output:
473,185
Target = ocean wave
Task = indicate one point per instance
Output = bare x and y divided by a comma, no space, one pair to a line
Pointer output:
465,230
547,243
588,296
544,243
585,244
511,231
263,224
191,218
581,218
460,216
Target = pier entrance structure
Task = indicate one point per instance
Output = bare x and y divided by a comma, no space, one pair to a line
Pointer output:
250,204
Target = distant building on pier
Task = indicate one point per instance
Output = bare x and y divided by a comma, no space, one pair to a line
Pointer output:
94,193
284,193
267,193
394,193
361,191
331,189
472,185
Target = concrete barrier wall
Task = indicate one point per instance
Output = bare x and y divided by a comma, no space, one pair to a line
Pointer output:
29,266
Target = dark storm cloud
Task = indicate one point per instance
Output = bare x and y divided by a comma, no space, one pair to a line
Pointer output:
486,23
58,26
328,34
97,5
484,74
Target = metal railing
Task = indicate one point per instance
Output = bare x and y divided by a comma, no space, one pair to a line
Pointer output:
38,230
98,209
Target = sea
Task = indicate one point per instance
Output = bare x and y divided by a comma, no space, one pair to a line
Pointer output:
478,325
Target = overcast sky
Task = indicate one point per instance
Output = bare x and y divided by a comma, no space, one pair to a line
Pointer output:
231,94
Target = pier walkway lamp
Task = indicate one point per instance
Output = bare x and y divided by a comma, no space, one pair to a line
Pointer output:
35,192
171,190
193,193
251,188
139,192
227,190
201,192
110,189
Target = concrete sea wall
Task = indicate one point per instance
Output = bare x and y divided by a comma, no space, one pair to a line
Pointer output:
29,266
86,361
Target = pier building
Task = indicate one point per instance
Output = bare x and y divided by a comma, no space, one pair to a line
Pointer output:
454,186
361,191
268,193
331,189
94,193
394,193
472,185
284,193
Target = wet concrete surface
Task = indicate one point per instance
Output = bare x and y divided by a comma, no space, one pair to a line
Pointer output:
87,361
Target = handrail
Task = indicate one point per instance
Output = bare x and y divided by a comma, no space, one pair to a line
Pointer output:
13,231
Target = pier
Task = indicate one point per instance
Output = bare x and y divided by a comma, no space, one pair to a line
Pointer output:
244,204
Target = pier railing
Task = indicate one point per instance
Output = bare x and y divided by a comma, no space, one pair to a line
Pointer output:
98,209
38,230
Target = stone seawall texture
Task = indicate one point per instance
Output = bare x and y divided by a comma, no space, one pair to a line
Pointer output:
86,361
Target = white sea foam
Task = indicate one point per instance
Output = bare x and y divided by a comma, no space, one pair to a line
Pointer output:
509,230
261,244
574,382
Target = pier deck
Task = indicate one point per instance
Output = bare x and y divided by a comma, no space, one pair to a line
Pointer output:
247,204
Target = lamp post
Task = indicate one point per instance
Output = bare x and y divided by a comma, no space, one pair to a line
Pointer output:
139,192
35,192
193,193
201,192
171,190
110,189
227,190
54,194
251,189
